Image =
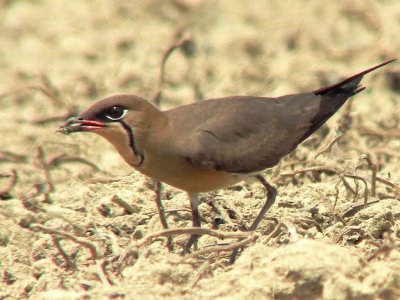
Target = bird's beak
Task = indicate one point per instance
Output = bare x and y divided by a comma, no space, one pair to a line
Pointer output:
79,124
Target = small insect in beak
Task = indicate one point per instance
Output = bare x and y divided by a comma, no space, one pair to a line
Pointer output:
78,124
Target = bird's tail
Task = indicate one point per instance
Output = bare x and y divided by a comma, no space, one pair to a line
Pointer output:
334,96
350,86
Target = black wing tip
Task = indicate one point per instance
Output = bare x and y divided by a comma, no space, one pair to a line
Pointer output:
350,84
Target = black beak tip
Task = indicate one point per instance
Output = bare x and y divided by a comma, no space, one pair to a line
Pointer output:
70,125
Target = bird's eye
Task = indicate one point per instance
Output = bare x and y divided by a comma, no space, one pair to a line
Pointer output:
116,113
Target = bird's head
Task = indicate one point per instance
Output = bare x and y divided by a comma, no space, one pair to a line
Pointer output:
120,119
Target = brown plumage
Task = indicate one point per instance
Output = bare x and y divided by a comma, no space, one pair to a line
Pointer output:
215,143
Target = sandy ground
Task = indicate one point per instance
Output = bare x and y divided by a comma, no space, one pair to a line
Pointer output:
63,233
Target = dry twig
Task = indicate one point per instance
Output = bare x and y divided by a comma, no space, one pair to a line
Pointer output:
12,157
224,248
169,211
391,133
205,267
386,248
245,237
331,208
63,158
82,242
48,89
161,77
349,230
373,167
45,167
5,193
328,146
387,182
274,232
125,205
323,169
68,261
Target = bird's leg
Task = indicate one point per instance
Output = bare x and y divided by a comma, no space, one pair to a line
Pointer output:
194,204
271,195
161,212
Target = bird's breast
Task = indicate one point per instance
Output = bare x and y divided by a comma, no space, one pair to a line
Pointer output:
183,175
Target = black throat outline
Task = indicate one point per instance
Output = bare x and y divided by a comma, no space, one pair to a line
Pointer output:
132,144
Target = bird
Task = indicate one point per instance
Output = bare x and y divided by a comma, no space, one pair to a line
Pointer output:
213,144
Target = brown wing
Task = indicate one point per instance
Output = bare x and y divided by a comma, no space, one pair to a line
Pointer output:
244,134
